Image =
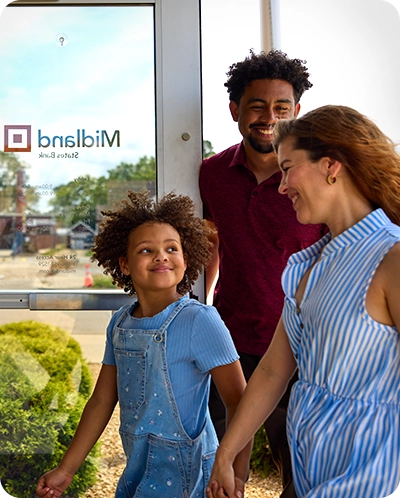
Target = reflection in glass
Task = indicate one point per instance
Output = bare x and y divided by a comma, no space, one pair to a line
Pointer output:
78,114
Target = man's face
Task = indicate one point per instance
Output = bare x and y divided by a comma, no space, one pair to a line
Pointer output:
263,103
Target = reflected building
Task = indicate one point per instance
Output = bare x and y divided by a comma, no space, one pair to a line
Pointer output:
27,232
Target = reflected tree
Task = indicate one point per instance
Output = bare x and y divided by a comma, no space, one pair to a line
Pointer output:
10,165
208,149
78,199
144,169
83,198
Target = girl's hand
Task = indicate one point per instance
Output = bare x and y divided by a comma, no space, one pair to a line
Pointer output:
223,482
53,484
216,491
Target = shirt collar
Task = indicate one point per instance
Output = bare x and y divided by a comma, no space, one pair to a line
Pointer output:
239,159
368,225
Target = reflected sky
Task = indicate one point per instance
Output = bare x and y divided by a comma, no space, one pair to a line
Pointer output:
99,77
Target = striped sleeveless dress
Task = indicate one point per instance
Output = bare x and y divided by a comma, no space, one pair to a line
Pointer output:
344,412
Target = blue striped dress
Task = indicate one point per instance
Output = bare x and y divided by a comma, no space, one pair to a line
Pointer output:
344,412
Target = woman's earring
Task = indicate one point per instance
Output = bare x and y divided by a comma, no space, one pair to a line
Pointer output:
331,179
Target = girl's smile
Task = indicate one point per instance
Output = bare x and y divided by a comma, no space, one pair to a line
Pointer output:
161,269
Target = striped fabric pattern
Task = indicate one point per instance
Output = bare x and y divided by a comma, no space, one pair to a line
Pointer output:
344,413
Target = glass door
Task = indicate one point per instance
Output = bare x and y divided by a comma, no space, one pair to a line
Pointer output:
78,114
89,96
96,98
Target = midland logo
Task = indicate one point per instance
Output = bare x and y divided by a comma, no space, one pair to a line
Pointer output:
17,138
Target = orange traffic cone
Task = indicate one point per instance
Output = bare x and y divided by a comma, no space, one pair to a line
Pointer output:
88,282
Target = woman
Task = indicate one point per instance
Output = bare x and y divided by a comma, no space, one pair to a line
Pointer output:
341,318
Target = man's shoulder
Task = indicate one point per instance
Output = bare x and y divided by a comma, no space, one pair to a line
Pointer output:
223,158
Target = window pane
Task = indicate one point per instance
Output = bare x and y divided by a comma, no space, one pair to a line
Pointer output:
78,114
351,48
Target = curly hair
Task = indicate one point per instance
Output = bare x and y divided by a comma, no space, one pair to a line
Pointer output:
175,210
272,65
351,138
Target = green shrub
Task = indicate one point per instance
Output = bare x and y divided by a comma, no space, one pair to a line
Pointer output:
103,282
44,385
261,457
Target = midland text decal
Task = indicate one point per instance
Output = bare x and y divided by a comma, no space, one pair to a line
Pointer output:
17,138
79,140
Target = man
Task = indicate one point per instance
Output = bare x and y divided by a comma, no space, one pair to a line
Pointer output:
256,226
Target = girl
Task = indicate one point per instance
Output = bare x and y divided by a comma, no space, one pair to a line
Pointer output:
160,353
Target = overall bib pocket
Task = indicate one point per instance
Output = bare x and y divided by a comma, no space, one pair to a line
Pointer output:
131,377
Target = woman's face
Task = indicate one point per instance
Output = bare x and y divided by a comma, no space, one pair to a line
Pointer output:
304,182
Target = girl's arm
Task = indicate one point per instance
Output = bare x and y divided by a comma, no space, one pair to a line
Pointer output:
265,388
231,384
213,266
94,419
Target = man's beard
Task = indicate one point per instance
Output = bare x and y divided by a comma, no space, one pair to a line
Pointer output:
258,147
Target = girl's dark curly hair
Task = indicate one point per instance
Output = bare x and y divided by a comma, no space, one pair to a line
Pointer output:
273,65
176,210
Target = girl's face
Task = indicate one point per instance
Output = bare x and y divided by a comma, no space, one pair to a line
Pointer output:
155,259
304,182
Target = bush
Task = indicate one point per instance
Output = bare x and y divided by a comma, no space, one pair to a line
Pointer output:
103,282
261,457
44,385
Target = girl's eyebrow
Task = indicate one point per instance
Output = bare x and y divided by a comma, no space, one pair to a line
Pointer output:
151,241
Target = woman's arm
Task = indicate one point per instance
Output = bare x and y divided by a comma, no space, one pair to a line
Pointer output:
391,283
383,296
94,419
264,390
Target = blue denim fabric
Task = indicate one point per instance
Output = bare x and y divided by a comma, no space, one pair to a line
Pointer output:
162,460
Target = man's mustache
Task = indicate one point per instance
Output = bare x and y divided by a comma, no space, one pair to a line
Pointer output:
267,125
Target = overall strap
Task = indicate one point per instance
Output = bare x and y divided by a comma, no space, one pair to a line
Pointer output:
180,306
123,312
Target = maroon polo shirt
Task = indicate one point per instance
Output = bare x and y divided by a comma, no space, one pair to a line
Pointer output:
258,231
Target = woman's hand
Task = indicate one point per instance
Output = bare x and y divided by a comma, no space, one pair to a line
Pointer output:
239,487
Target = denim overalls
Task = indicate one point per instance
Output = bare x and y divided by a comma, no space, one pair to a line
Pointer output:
162,460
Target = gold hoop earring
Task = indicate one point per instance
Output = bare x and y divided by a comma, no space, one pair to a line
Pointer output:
331,179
